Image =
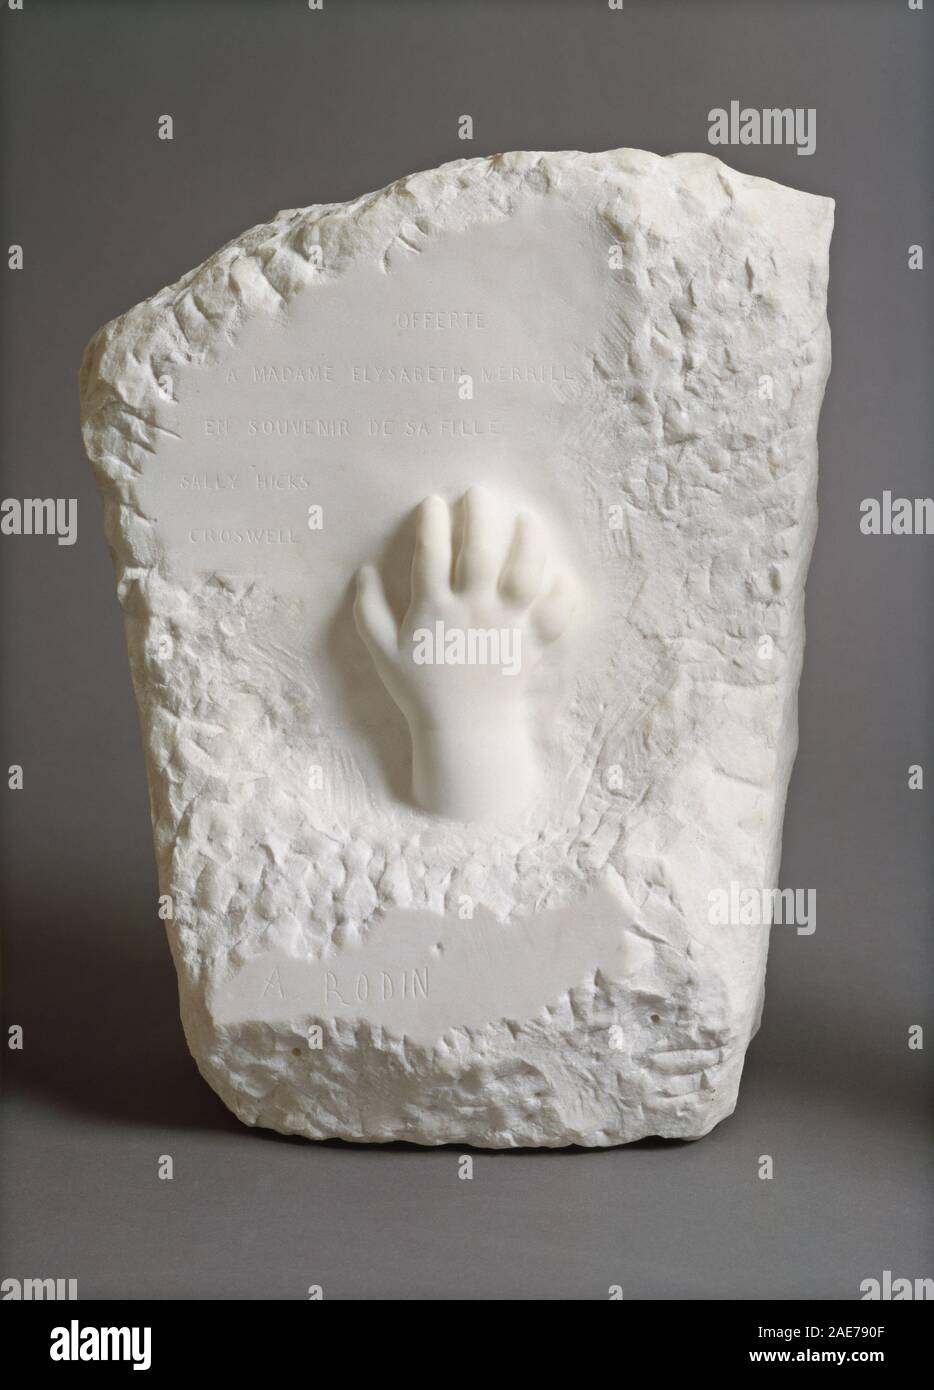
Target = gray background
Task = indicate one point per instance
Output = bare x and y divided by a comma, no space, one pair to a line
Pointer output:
278,107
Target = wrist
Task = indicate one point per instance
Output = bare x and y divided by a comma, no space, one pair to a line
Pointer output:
474,770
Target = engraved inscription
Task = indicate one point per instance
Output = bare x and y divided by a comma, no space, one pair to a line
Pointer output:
440,319
348,989
424,399
249,535
291,426
285,374
208,482
419,974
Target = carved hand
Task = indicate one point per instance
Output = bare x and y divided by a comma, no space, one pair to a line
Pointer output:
458,663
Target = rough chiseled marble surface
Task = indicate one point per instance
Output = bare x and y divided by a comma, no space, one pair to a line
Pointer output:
649,347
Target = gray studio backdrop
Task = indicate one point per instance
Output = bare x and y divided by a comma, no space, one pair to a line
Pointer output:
278,106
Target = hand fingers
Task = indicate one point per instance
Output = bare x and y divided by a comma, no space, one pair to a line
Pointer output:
431,559
549,615
372,614
478,559
521,578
